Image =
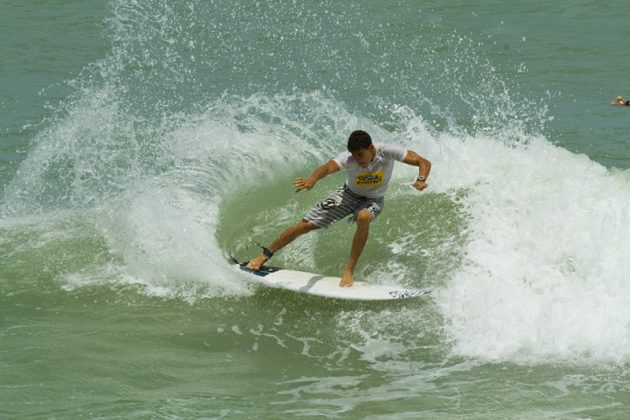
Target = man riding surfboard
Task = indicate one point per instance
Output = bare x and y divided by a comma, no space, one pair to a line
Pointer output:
368,167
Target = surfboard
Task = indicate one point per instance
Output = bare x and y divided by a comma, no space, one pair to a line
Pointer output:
319,285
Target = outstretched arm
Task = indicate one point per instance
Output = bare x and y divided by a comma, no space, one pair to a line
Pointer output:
301,184
424,168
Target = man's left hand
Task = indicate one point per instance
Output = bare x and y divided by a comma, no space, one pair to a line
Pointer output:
420,185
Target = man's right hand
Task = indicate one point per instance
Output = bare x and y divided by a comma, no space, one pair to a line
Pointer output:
301,184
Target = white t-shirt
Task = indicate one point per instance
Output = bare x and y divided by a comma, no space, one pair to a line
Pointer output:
371,182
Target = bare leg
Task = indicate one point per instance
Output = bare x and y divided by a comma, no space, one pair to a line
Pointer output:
285,238
358,243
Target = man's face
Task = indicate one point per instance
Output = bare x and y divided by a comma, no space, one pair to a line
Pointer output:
364,156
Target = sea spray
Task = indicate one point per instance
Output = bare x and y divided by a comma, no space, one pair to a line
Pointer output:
192,106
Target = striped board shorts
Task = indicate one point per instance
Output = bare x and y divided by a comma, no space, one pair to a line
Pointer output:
340,204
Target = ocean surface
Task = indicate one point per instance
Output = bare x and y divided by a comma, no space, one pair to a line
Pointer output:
142,142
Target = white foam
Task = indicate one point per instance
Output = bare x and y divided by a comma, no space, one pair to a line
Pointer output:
154,192
545,267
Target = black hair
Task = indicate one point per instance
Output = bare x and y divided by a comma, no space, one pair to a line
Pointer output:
359,140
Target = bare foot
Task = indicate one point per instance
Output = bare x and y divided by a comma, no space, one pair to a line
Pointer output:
257,262
346,279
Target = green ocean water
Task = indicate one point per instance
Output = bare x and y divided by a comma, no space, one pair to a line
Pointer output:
143,142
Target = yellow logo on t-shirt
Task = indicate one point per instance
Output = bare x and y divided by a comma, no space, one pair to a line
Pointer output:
365,179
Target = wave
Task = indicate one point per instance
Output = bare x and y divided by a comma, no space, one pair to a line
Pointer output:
531,233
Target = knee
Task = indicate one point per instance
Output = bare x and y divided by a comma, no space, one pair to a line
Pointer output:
364,217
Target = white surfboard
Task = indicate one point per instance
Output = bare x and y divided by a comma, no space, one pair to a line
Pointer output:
319,285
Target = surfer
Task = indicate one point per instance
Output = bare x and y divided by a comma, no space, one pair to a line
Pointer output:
368,167
620,101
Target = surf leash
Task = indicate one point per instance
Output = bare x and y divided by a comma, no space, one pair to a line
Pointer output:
266,251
